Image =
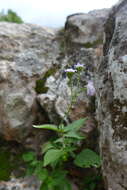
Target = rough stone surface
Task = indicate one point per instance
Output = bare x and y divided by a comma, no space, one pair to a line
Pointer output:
56,100
20,184
111,85
33,86
31,75
26,55
87,29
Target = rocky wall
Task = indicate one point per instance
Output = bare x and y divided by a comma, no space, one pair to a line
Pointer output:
112,99
33,86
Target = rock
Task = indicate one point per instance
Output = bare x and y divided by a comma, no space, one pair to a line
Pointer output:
111,86
26,55
20,184
33,85
56,100
86,29
31,68
31,76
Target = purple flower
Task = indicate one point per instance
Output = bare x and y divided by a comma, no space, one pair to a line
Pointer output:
79,65
70,72
90,88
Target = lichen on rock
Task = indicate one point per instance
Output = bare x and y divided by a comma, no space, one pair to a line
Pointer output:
112,99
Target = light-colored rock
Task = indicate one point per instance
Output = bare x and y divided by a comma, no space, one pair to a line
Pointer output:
87,29
111,86
20,184
26,55
33,86
56,100
29,54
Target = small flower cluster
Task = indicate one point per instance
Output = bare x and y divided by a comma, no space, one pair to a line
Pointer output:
70,71
77,69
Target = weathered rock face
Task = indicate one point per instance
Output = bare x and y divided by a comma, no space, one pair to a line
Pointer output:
111,87
33,88
87,29
26,55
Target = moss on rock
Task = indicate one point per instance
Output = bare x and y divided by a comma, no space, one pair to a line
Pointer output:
5,165
40,83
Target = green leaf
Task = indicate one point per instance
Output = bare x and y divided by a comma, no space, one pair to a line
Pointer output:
57,176
76,125
5,165
30,171
67,184
87,158
47,126
46,147
73,134
59,140
42,174
29,156
34,163
44,186
52,155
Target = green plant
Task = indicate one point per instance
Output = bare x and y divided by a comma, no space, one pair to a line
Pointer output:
57,153
5,165
91,182
10,16
60,150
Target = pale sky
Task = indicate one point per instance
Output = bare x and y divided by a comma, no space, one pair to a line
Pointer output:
52,13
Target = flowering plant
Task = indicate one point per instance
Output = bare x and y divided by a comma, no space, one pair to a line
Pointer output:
52,170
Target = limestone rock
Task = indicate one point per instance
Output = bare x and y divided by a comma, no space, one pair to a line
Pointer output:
56,100
31,74
26,55
86,29
111,86
33,86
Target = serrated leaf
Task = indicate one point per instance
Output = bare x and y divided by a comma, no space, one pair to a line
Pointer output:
87,158
76,125
52,155
47,126
29,156
73,134
46,147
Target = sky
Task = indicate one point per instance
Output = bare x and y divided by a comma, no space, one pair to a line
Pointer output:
52,13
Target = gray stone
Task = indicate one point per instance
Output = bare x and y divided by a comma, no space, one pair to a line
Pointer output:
87,29
26,55
30,53
27,183
111,86
33,86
